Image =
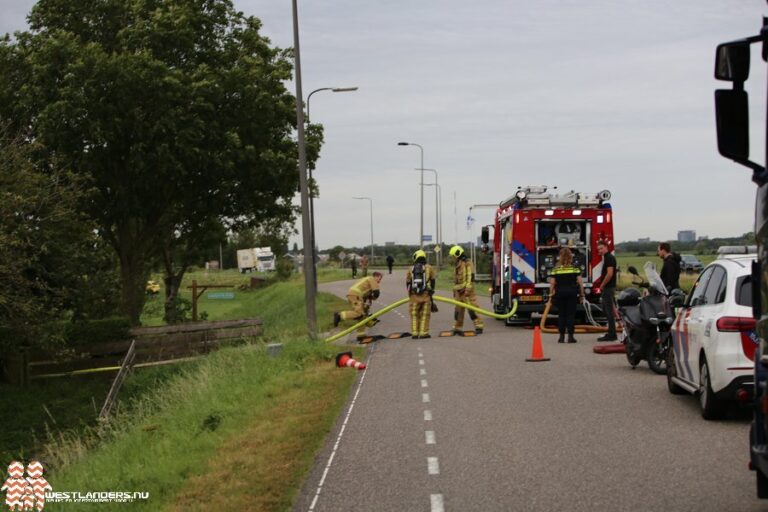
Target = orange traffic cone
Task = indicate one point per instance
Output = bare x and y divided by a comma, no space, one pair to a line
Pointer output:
537,351
345,359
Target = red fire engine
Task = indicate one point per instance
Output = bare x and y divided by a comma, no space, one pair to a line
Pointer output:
530,228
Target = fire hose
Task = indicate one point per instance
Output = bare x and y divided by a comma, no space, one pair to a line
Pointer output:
581,328
400,302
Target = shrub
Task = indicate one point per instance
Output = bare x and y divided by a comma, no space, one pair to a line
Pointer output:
97,331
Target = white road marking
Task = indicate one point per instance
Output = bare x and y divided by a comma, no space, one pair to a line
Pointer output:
425,397
433,466
341,433
436,502
421,362
427,415
429,435
422,371
424,383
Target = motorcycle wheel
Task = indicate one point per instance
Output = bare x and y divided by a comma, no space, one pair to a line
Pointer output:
657,358
633,358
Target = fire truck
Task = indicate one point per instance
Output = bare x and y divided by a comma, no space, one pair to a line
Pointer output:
529,230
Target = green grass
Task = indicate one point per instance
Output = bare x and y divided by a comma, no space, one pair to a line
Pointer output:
625,260
175,435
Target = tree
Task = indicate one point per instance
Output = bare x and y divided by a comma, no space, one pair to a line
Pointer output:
52,263
175,111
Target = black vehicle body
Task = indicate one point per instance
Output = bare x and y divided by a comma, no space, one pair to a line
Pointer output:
732,64
690,263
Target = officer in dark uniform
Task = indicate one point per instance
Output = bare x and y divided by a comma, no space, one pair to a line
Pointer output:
566,289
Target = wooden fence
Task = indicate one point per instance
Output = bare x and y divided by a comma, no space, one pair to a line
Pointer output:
153,345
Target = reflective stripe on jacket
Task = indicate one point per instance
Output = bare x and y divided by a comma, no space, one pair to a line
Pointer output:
463,276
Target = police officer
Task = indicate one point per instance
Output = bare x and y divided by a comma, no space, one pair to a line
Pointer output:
566,290
360,295
420,282
464,290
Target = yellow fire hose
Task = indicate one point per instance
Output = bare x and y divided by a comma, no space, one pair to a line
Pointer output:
579,328
400,302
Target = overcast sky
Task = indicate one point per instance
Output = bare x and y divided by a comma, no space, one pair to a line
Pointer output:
584,95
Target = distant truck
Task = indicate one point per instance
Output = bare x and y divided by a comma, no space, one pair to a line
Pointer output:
258,258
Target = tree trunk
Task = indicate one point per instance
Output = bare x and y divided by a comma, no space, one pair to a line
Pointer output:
133,275
172,286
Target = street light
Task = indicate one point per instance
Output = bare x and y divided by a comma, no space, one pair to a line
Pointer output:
438,215
332,89
310,288
371,201
313,239
421,217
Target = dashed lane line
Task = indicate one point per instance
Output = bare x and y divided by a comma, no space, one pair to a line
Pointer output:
429,436
427,415
433,466
436,502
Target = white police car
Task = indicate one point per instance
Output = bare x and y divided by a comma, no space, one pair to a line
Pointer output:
714,338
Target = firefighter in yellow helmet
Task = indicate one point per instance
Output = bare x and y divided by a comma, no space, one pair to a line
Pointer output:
420,282
360,296
464,290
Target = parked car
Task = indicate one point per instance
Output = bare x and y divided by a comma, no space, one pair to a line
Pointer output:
714,338
690,263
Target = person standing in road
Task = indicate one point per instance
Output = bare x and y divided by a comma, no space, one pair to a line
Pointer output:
390,262
566,289
360,296
608,285
464,290
353,265
364,265
420,282
670,268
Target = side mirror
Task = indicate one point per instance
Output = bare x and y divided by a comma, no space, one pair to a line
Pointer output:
677,301
732,61
732,119
632,270
484,234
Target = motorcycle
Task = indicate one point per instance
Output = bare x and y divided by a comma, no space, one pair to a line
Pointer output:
648,318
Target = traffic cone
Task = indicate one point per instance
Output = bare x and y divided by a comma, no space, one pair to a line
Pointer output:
537,351
345,359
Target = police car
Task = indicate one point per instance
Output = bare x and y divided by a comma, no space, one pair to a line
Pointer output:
714,338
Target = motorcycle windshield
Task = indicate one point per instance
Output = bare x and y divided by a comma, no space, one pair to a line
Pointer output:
654,279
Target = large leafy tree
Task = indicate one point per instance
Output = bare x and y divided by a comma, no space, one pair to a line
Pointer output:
174,110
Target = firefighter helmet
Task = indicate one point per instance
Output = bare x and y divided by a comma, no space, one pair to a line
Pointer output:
419,254
456,251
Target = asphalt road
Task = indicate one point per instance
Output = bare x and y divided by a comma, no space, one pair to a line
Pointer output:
466,424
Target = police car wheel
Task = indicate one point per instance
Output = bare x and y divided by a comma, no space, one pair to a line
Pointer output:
712,408
672,372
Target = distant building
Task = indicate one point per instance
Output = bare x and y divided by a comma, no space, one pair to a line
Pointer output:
686,236
389,244
703,237
646,239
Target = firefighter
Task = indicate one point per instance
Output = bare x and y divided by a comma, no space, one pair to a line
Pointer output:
566,290
420,282
360,296
464,290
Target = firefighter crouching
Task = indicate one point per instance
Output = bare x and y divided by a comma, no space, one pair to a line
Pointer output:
420,282
360,296
464,290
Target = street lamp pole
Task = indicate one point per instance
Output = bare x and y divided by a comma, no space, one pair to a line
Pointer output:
438,219
421,216
311,194
371,204
310,290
